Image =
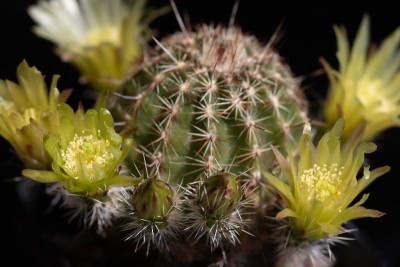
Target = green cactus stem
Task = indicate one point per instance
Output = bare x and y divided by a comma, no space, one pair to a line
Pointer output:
208,100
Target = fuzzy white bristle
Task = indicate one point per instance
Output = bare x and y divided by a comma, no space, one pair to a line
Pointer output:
88,211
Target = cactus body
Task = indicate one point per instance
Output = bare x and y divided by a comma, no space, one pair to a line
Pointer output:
204,108
210,100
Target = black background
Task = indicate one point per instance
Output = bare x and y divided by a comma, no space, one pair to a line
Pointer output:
308,35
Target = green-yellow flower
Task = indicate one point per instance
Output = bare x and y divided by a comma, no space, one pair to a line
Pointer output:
366,88
102,38
323,183
87,153
27,112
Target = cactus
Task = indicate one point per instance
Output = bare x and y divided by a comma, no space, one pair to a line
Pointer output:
200,150
205,106
209,100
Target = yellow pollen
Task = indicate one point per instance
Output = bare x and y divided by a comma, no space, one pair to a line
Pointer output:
322,181
93,151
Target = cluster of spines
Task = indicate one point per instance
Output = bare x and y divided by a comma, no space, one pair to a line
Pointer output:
217,209
150,211
159,215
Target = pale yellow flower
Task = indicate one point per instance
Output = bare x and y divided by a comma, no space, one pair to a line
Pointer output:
366,88
27,112
102,38
86,151
323,183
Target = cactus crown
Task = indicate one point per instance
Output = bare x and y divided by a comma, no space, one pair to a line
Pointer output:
211,99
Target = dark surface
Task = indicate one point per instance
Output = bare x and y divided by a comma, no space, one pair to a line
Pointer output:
307,35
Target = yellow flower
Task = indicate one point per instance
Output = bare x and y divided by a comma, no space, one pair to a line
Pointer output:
27,112
323,183
87,153
102,38
365,88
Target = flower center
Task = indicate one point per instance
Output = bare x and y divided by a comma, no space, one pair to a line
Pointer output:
322,181
89,150
370,94
105,34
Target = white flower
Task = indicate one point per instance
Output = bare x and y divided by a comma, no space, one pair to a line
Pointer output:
76,24
102,38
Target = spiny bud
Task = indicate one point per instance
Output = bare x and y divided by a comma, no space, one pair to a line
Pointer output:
215,207
221,195
153,200
154,219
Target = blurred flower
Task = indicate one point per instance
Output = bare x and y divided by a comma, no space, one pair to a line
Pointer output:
102,38
27,112
323,184
366,88
86,152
